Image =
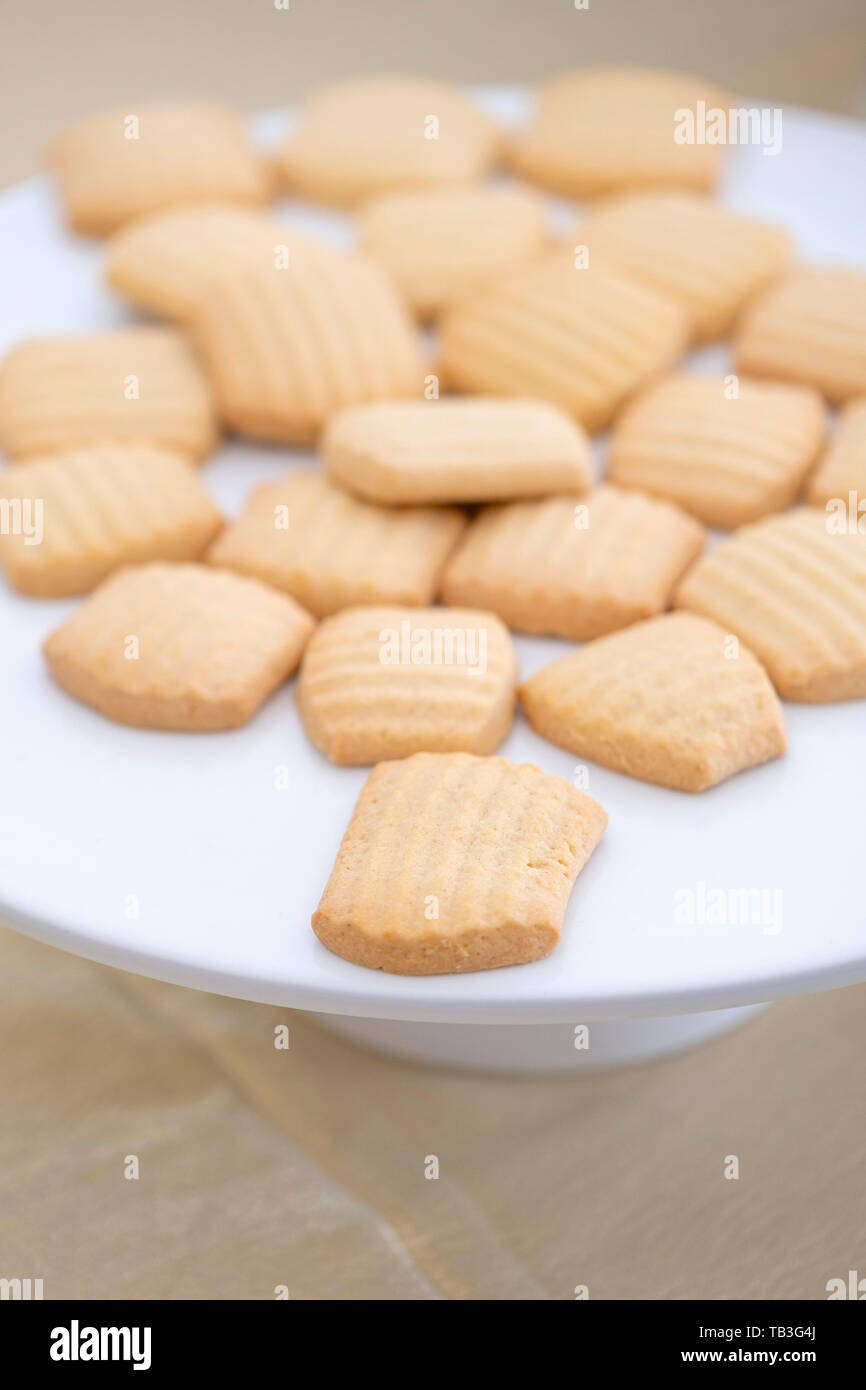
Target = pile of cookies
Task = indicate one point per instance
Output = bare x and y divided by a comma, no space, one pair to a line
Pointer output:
449,372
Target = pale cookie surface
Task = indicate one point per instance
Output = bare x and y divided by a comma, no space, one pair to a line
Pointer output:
709,259
809,328
573,567
379,683
842,470
99,508
439,246
368,136
118,165
460,449
601,130
165,263
668,701
129,384
582,338
288,346
726,459
796,594
454,863
178,647
331,551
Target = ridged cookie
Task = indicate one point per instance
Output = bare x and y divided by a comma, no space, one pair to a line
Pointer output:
331,551
286,348
573,567
725,459
809,328
796,594
379,683
118,165
582,338
601,130
709,259
100,508
842,470
135,385
178,647
375,135
439,246
165,263
454,863
661,702
459,449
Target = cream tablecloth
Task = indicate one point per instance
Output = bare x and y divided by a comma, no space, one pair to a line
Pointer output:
305,1167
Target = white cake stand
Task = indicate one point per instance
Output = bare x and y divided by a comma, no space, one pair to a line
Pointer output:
200,858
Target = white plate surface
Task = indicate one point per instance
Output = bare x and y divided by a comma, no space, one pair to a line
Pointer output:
187,858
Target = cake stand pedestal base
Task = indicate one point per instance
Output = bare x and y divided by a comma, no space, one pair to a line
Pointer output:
564,1048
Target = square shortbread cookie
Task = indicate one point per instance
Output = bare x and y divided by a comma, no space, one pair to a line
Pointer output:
726,459
380,683
130,385
582,338
573,567
601,130
165,263
709,259
796,594
367,136
178,647
842,470
460,449
663,701
118,165
810,328
453,863
331,551
439,246
288,346
97,509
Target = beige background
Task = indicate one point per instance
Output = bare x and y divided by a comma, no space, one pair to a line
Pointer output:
306,1168
60,60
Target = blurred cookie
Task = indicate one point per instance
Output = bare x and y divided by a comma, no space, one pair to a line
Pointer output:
165,263
660,701
809,328
178,647
454,863
796,595
471,449
439,246
709,259
287,346
581,338
600,130
573,567
725,459
130,385
842,470
332,551
92,510
379,683
375,135
118,165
